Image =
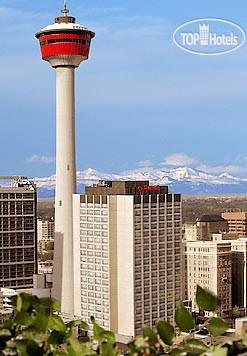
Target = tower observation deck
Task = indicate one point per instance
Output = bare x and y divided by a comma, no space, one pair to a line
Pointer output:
64,44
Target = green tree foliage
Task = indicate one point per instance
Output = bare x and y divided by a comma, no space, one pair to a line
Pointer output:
37,330
195,208
49,246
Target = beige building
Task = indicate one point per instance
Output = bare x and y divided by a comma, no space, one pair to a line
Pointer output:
190,232
237,222
205,227
210,224
45,230
127,242
209,264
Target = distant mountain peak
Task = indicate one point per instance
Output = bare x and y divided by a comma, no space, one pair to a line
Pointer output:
181,179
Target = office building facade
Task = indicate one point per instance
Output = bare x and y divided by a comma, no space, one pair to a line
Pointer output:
45,230
237,222
18,232
208,264
127,242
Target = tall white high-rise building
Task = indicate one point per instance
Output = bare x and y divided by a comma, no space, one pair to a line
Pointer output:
127,254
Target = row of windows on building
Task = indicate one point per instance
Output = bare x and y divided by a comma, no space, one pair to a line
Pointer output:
175,205
156,212
18,196
94,226
93,212
96,240
93,233
153,219
157,245
100,261
93,219
159,233
17,240
65,40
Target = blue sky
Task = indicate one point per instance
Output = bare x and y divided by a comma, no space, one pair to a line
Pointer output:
140,100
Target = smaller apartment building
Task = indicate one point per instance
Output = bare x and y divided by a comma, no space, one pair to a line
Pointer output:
209,264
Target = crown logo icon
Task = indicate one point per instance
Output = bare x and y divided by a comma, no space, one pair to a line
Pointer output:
204,31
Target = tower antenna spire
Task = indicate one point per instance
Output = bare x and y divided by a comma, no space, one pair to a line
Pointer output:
65,11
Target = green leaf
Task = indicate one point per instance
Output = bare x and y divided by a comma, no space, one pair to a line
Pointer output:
56,305
23,318
217,326
70,350
98,331
148,332
183,318
21,346
166,332
178,352
109,336
84,325
34,349
31,333
48,302
108,349
76,346
220,351
18,302
195,347
205,299
59,353
29,301
56,323
56,338
42,318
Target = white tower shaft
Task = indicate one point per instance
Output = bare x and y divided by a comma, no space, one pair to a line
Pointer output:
63,284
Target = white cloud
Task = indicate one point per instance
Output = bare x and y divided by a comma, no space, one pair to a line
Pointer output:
42,159
146,163
232,169
178,159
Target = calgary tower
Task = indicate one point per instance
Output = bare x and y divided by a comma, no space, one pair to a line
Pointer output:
64,45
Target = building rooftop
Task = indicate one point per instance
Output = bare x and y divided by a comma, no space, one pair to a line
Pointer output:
125,188
211,218
16,182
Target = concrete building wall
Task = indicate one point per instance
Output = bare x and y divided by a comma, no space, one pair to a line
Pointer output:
205,229
130,256
18,232
239,272
208,264
190,232
237,222
125,266
76,254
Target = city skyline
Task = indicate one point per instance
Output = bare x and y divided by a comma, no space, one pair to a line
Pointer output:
138,77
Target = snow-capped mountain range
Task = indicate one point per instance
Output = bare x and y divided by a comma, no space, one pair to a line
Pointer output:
181,180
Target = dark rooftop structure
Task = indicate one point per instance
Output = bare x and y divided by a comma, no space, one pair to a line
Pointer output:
141,187
211,218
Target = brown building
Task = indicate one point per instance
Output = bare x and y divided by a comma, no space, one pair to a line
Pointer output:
237,222
210,224
18,233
